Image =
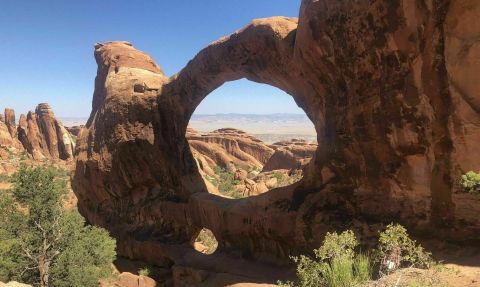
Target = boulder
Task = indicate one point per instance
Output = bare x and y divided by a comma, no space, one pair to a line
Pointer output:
126,279
240,174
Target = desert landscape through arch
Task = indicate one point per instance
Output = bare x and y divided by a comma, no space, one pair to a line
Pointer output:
246,154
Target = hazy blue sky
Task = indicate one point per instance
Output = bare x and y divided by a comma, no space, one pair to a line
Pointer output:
47,47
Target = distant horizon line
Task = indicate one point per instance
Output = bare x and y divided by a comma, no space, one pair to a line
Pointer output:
217,114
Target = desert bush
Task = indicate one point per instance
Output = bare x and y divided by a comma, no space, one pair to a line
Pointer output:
335,264
337,245
284,180
362,267
4,177
281,178
470,182
339,273
225,182
396,249
144,271
43,244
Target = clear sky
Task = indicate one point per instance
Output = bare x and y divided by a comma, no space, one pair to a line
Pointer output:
47,48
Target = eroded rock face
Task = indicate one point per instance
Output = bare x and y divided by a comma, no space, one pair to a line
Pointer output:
227,148
5,136
380,80
294,154
74,130
43,136
10,122
8,130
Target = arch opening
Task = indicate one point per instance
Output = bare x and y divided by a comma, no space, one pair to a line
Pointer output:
205,242
249,138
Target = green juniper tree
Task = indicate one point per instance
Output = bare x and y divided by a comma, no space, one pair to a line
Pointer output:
41,243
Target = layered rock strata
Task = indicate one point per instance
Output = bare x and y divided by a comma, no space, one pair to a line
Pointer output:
43,136
39,133
227,148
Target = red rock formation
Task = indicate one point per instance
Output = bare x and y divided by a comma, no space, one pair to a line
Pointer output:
43,136
227,148
382,83
8,130
74,130
127,279
10,122
294,154
5,136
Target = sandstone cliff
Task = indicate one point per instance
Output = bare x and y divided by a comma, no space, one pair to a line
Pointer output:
74,130
388,87
43,136
294,154
39,133
227,148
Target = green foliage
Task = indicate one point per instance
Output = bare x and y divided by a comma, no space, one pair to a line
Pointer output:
225,182
335,264
362,267
339,273
23,156
43,244
39,190
396,249
58,172
309,272
337,245
4,177
87,256
253,168
144,271
470,182
284,180
281,178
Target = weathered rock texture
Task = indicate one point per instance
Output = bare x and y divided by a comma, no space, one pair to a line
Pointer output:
387,85
74,130
40,134
43,136
227,148
8,130
294,154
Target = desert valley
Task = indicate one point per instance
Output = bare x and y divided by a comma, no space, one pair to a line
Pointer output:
377,184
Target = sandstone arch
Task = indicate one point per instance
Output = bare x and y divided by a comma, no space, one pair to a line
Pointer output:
373,76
